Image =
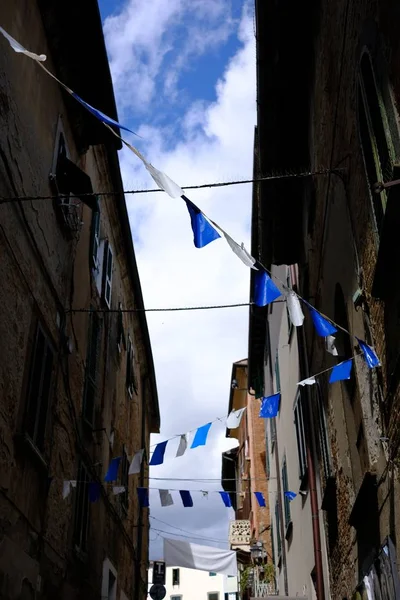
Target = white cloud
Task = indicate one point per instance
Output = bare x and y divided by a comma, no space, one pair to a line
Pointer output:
193,350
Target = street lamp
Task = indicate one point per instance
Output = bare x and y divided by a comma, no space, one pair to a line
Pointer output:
257,552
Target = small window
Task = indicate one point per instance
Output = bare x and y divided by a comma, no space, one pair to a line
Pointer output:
267,460
176,597
39,389
131,383
109,582
81,522
107,273
213,596
95,240
92,365
121,339
212,574
300,435
277,374
272,425
285,485
278,528
124,481
175,577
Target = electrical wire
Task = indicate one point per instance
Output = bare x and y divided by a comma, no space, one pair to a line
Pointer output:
178,528
217,184
190,537
171,309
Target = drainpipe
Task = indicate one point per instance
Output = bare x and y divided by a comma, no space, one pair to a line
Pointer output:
312,480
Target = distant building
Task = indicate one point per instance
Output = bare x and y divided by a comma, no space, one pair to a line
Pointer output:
244,471
76,388
191,584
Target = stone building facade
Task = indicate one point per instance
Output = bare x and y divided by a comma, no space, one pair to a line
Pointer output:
328,99
76,388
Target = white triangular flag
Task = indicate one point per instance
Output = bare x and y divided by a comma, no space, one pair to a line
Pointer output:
118,489
330,345
294,308
165,498
234,418
164,182
67,485
136,463
17,47
182,446
308,381
240,251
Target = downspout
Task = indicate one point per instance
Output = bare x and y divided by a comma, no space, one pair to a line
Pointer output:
278,479
312,480
139,549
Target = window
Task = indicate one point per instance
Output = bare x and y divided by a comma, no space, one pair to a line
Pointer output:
285,485
278,528
176,597
273,544
272,425
39,389
121,339
124,481
375,138
277,374
68,181
211,574
107,273
175,577
267,461
95,239
131,383
81,523
92,364
289,322
213,596
299,418
109,581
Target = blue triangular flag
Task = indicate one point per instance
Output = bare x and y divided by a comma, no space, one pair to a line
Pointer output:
200,437
186,498
143,497
341,371
226,499
265,291
290,495
158,454
322,326
260,498
100,115
369,354
94,491
112,473
270,406
203,231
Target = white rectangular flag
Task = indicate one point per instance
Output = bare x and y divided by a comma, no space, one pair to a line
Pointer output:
136,463
203,558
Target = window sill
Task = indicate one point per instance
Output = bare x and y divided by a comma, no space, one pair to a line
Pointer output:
29,448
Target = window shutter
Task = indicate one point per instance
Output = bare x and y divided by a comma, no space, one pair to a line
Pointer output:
285,485
92,362
107,273
95,239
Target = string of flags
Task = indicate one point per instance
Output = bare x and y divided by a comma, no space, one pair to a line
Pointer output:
206,231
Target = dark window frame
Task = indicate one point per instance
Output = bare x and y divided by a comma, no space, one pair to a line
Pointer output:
92,368
124,479
108,263
82,509
176,578
286,501
131,381
39,389
299,423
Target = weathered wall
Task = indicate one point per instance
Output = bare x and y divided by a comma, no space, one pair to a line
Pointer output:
345,253
45,272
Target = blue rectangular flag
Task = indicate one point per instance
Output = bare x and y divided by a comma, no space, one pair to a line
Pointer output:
322,326
94,491
290,495
341,371
369,354
270,406
203,231
186,498
265,291
260,499
201,436
100,115
112,473
143,497
158,454
226,499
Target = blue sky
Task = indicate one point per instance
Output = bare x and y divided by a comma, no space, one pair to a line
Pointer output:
184,79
